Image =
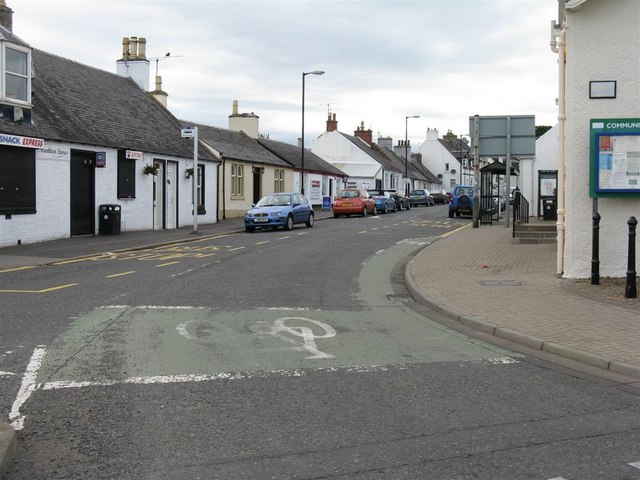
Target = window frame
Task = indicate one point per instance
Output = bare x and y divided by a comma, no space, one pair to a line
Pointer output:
237,180
25,77
278,183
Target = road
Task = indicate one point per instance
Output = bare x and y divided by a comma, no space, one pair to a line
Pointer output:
285,355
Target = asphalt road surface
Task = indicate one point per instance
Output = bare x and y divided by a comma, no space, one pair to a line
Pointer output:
279,355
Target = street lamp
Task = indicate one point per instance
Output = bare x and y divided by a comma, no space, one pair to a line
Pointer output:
406,151
304,74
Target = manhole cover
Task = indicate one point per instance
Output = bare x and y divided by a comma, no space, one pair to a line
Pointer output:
500,283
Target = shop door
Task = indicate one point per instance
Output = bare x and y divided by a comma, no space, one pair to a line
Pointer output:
82,192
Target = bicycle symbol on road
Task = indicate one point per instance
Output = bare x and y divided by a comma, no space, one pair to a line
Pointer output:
288,327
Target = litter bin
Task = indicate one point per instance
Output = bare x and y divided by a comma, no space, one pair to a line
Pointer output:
109,223
550,209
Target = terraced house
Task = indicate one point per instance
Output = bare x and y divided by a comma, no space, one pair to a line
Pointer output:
73,138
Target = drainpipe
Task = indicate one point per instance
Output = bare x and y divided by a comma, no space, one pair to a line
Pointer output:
560,48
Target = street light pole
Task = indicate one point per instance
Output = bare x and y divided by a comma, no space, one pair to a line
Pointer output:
304,74
406,151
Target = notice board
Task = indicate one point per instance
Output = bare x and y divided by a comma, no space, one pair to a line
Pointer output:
615,157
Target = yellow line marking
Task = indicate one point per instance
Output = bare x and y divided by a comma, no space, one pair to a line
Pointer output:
262,243
121,274
45,290
167,264
237,248
17,269
454,231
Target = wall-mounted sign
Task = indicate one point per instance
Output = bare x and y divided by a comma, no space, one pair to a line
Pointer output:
101,159
134,155
615,157
188,132
18,141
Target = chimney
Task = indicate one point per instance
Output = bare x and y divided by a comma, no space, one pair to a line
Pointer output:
244,122
432,134
402,148
134,63
6,16
332,125
158,94
386,142
450,136
365,135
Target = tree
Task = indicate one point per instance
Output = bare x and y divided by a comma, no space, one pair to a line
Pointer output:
541,130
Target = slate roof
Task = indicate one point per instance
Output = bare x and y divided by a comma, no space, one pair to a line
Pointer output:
376,155
77,103
399,162
292,154
233,145
456,147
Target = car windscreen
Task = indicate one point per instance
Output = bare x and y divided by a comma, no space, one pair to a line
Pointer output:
274,201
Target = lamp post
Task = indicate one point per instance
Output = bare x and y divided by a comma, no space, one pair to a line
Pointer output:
406,151
304,74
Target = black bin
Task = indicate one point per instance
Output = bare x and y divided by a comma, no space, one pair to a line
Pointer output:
109,223
550,209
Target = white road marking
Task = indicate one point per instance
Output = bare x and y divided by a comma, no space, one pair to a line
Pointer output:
159,307
308,337
635,464
6,374
558,478
27,387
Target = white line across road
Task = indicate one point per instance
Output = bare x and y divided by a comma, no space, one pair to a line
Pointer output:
26,388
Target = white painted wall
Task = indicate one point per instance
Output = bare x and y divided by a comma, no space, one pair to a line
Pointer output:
52,220
436,157
546,159
603,43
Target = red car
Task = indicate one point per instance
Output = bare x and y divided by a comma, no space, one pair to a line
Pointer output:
353,201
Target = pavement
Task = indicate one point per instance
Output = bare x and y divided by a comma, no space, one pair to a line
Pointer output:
475,277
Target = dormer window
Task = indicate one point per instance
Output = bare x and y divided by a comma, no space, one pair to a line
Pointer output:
16,75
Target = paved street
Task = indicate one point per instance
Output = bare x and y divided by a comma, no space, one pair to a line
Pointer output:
285,355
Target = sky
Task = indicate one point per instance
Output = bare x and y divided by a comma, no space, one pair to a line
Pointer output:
384,60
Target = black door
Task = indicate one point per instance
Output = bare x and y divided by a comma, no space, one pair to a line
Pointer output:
82,192
257,183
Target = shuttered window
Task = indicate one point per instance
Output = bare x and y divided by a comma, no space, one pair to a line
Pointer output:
17,180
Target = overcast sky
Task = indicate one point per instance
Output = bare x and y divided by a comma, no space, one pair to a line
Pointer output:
384,59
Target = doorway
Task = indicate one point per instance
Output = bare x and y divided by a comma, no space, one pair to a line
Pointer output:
82,192
158,196
257,183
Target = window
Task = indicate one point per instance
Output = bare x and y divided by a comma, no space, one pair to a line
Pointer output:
200,190
126,176
279,181
18,180
393,182
446,167
237,180
16,74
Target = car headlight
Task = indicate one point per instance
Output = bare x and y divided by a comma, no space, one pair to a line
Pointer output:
277,214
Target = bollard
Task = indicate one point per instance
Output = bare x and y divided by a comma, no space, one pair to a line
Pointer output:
631,291
595,251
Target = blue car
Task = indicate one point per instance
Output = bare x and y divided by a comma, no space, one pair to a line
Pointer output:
384,201
279,210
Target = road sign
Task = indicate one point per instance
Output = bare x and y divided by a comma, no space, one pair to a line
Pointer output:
188,132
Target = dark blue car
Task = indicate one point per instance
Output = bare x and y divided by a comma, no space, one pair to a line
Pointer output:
279,210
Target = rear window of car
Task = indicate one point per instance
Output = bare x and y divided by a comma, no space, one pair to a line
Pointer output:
348,194
416,192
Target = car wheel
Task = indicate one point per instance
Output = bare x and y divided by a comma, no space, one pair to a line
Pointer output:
251,229
386,208
364,211
458,214
409,207
375,210
335,215
309,223
450,213
289,225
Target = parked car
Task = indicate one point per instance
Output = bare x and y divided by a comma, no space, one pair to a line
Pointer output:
279,210
462,203
420,197
384,202
402,201
440,196
353,201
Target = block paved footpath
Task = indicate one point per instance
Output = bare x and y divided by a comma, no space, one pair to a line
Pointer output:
480,278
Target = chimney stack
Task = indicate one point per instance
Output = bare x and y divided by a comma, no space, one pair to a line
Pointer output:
365,135
385,142
332,125
248,123
6,16
134,63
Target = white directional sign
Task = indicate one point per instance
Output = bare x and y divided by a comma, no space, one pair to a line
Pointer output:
188,132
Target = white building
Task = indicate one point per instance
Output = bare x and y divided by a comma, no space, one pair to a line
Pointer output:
448,158
602,47
538,175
